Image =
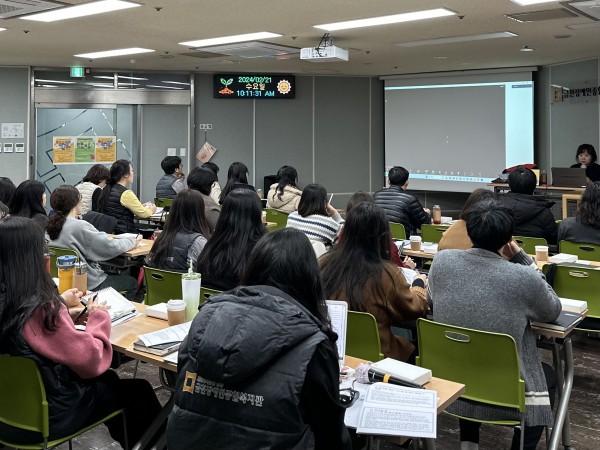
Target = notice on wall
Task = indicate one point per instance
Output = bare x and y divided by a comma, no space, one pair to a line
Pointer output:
13,130
84,149
206,152
106,149
63,149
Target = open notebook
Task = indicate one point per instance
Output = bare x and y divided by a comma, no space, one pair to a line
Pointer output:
120,309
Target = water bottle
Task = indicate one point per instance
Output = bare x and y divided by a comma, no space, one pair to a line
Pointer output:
436,214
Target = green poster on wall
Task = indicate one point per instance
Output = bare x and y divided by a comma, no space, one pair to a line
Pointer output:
85,150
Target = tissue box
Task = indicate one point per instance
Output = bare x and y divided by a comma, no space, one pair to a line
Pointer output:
563,258
159,311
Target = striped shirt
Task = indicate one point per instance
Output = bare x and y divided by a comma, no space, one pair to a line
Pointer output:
319,228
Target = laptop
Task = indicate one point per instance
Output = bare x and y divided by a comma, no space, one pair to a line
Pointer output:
568,177
338,313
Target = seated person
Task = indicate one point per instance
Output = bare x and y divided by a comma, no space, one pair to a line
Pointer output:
215,189
533,217
291,379
399,205
585,227
29,200
284,195
7,190
358,270
586,159
315,217
66,230
35,323
171,183
91,187
239,228
184,236
456,236
201,179
122,203
495,286
237,178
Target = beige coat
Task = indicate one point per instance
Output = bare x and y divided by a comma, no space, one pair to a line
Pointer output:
456,237
289,199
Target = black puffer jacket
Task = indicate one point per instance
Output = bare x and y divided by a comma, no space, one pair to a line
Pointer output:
113,207
256,371
533,217
402,207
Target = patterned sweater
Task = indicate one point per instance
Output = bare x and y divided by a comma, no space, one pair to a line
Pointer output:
319,228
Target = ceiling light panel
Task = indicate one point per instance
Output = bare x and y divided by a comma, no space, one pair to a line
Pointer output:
386,20
531,2
85,9
230,39
118,52
455,39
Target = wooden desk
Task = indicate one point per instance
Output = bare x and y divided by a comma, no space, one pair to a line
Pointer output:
504,187
142,250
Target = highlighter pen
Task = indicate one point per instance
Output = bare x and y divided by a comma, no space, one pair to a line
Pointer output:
391,379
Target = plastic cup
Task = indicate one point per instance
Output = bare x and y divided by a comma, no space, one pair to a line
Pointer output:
175,312
415,243
541,253
190,286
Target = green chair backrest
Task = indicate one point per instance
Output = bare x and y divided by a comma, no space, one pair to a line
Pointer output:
278,217
162,202
486,363
578,283
162,285
589,252
362,337
397,231
432,233
528,243
55,252
207,292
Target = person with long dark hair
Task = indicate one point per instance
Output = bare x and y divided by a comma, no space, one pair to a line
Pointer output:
7,190
284,195
120,202
184,235
358,271
66,230
215,188
202,180
316,217
237,178
239,228
29,200
270,347
585,227
35,323
91,187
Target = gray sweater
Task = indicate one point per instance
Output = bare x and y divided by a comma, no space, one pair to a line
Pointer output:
92,245
478,289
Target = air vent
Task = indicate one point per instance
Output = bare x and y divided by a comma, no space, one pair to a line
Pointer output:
539,16
203,55
16,8
589,9
253,49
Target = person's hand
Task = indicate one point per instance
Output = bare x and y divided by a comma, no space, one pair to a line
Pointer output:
509,250
330,210
409,262
152,207
427,210
72,297
182,176
94,304
423,277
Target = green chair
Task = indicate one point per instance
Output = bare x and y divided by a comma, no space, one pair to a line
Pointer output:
432,233
162,202
528,243
486,363
161,285
55,252
589,252
579,284
397,231
24,403
362,337
277,217
207,292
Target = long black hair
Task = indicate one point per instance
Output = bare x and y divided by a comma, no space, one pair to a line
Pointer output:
286,260
7,190
286,176
589,210
118,170
237,173
237,231
185,216
63,199
22,252
27,200
360,258
313,201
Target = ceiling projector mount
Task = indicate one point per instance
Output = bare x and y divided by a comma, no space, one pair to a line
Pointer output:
324,52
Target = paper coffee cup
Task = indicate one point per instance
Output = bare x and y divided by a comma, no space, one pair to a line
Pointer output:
541,253
415,243
175,312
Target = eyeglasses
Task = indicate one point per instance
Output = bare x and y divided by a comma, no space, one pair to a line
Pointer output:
348,396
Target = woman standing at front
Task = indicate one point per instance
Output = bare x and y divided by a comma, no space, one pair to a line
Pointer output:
119,201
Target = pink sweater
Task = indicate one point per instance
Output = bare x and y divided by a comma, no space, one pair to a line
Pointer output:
87,353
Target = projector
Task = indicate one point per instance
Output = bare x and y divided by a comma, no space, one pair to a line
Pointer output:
329,53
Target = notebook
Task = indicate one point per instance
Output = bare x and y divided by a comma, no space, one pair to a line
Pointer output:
568,177
338,313
120,309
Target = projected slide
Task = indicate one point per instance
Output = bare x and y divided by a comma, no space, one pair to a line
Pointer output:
458,136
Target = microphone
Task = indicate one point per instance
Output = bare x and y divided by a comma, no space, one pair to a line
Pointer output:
375,376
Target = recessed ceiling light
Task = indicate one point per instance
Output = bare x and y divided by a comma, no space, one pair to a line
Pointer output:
176,82
132,78
41,80
385,20
530,2
440,57
102,85
163,87
230,39
527,49
109,53
2,29
85,9
455,39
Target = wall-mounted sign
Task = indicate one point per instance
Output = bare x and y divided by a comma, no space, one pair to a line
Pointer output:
84,149
246,85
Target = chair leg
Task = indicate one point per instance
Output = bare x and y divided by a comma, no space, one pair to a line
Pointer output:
522,443
137,362
126,440
70,444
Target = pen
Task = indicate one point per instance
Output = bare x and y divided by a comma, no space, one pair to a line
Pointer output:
84,302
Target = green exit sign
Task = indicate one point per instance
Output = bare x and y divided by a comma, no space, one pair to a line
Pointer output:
76,72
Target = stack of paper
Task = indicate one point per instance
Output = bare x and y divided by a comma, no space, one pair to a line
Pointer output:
162,342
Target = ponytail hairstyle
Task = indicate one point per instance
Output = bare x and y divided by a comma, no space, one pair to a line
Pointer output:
286,176
63,200
237,173
118,170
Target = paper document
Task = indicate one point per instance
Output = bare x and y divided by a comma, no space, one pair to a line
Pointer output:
120,309
175,333
172,358
338,313
125,236
399,411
